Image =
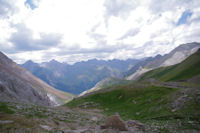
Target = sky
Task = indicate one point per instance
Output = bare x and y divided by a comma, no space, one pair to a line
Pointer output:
76,30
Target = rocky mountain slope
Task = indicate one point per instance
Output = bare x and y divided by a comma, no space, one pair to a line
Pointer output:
174,57
189,68
18,84
80,76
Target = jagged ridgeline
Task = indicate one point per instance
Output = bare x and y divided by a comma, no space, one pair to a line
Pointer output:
80,76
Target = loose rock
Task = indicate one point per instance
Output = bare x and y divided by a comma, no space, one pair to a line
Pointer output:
135,124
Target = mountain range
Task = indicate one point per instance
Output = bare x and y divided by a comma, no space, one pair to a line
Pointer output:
80,76
176,56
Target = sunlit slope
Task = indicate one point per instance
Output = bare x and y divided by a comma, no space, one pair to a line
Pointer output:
182,71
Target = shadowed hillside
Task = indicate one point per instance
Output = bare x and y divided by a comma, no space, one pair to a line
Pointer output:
16,83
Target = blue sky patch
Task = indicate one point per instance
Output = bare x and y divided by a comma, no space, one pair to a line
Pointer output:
31,4
184,17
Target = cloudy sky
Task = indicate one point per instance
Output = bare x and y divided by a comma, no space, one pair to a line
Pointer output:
74,30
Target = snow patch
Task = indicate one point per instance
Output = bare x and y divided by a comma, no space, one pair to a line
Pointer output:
53,99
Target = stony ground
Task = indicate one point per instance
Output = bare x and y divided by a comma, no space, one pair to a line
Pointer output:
29,118
22,118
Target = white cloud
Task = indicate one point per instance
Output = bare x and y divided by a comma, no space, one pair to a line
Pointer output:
88,29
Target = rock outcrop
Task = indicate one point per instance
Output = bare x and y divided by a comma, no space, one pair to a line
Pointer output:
116,124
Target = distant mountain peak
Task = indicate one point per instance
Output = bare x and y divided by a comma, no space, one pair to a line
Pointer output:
54,61
29,62
158,56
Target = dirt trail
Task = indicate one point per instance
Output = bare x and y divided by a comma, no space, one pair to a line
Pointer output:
177,85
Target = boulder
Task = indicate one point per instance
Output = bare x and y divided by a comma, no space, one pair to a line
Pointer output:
115,122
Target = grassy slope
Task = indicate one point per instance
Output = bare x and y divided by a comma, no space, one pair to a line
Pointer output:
151,105
150,102
185,70
114,82
4,108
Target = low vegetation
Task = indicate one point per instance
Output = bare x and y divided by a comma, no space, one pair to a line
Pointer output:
4,108
149,104
138,103
23,118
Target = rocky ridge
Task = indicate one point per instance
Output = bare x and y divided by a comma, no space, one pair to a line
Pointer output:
176,56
